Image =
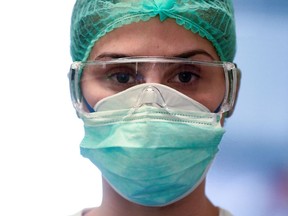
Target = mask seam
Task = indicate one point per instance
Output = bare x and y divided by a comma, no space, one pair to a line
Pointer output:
90,116
125,121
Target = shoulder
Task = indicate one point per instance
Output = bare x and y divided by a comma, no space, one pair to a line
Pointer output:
224,212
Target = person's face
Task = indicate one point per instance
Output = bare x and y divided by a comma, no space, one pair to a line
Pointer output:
155,38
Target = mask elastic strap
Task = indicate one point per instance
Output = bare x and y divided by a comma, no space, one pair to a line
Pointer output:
88,105
218,108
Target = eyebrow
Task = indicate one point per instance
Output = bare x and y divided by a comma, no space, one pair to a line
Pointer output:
192,53
187,54
111,55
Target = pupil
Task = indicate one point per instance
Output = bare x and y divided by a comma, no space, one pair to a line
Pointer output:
185,77
122,78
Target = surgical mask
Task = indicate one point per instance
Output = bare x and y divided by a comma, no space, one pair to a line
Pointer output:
152,144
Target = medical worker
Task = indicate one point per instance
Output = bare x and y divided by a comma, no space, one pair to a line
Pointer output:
153,81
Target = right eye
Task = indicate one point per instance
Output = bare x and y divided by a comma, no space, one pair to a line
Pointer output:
121,75
122,78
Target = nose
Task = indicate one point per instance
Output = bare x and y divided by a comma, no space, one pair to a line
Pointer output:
152,73
153,78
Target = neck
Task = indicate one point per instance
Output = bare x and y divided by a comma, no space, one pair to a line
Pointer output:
195,204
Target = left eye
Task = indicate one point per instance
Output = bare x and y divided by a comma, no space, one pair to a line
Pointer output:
185,77
185,74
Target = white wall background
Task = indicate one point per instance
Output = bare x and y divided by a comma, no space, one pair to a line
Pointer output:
42,172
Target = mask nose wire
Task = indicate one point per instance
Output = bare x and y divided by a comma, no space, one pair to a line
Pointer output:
150,96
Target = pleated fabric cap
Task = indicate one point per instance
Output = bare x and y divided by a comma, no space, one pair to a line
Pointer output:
211,19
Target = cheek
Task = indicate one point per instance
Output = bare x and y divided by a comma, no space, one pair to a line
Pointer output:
93,92
217,94
211,97
211,101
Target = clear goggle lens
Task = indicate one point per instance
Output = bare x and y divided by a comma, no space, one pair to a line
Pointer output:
212,84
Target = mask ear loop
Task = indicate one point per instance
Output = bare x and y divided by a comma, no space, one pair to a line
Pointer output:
218,108
90,109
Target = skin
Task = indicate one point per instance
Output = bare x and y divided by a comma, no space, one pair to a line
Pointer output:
154,38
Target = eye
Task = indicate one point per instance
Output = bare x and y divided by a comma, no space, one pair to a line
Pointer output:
122,75
185,77
186,74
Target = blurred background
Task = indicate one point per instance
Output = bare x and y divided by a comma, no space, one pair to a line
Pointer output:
42,172
250,174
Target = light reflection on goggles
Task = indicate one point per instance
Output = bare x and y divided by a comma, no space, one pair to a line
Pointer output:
195,79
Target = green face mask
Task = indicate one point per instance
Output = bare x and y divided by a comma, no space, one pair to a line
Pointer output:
211,19
151,154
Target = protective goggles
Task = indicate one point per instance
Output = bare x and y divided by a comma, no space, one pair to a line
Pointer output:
211,83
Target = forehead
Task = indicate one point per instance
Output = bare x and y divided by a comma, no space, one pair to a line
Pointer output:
151,38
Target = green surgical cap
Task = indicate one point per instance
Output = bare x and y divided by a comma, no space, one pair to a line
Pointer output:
211,19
